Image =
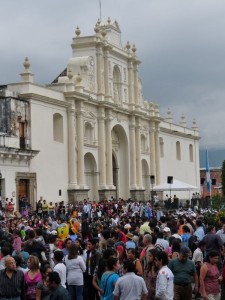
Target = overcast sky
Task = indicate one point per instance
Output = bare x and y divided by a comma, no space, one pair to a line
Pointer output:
181,44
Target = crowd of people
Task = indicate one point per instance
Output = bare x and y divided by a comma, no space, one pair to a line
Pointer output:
112,249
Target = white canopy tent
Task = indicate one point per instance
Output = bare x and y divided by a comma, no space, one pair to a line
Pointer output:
177,185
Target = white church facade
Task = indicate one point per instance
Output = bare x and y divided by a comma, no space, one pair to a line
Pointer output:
90,133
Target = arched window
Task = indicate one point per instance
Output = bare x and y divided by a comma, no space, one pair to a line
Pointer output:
161,147
88,133
178,152
58,128
191,154
116,84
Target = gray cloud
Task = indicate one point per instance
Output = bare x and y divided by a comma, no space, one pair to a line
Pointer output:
181,45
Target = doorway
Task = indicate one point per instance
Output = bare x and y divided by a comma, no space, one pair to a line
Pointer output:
23,189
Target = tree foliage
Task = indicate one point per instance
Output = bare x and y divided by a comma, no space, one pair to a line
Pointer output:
223,178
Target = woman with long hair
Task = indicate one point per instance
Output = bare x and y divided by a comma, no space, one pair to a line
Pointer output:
32,277
42,290
151,274
176,246
210,277
75,267
131,255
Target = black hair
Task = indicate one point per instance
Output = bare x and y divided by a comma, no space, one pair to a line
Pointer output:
5,251
199,222
109,252
176,245
201,243
161,255
210,228
18,260
186,229
31,234
58,255
54,277
111,263
129,266
212,253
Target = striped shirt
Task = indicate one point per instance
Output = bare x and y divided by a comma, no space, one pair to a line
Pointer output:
12,287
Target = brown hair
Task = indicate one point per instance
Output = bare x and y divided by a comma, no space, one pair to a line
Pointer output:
73,252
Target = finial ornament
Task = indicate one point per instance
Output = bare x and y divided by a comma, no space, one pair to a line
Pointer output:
134,49
77,31
128,46
96,29
103,31
26,63
109,20
69,74
78,78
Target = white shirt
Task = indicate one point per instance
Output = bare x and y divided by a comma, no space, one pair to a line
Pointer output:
60,268
130,287
197,256
164,284
75,268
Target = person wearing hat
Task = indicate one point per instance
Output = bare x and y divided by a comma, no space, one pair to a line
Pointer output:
184,271
166,233
130,244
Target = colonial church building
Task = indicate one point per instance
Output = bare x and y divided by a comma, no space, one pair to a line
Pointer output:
90,133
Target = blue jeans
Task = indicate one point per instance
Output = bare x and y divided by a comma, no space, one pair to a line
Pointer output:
76,291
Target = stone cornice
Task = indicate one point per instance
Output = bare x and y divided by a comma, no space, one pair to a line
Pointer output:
17,154
180,134
44,99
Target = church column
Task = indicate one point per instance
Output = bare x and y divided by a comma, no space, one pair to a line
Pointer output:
130,84
106,72
136,100
101,148
152,148
138,153
157,153
72,146
99,69
109,171
80,144
133,182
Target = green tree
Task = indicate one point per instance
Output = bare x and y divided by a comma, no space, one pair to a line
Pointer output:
223,178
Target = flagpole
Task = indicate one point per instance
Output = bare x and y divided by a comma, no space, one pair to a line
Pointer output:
100,9
208,180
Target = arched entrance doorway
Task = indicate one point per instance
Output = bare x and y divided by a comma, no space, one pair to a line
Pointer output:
90,171
120,159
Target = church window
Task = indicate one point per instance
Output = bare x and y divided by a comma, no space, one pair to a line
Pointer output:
178,152
191,154
116,84
58,128
161,147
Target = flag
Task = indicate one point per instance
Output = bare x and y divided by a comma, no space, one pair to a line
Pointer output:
208,181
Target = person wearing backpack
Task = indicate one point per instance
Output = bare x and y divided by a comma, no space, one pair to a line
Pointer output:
109,278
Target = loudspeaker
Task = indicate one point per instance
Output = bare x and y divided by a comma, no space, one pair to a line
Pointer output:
170,179
60,193
202,181
213,181
152,179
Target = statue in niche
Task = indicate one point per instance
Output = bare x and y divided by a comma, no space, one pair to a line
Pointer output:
115,93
